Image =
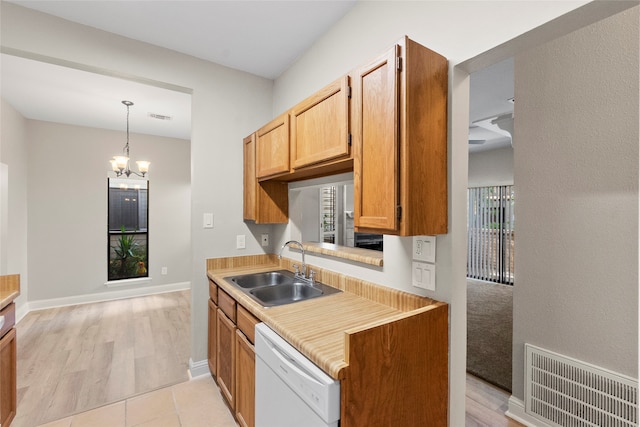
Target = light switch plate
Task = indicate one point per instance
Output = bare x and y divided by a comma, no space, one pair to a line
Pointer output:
207,220
240,241
264,239
424,248
423,275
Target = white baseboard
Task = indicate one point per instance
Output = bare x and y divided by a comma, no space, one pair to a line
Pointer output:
98,297
199,368
516,412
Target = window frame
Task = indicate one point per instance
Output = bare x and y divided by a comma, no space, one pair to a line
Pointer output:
133,238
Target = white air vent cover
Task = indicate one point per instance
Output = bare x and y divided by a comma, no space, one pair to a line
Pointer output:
562,391
159,116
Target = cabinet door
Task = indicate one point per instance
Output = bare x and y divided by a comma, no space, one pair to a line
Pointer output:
212,352
272,148
376,143
319,126
249,211
225,363
245,381
8,390
265,202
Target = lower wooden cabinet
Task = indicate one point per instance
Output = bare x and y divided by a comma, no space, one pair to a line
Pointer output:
245,381
8,359
226,358
231,355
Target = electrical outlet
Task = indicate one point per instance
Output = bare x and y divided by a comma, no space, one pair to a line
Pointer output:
423,275
163,271
240,241
424,248
265,240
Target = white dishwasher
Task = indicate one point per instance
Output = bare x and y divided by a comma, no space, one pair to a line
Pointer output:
291,391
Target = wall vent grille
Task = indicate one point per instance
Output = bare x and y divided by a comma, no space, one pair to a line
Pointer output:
562,391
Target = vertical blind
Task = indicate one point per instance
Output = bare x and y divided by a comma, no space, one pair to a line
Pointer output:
490,232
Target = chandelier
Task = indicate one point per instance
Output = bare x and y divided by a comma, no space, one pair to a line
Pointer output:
120,164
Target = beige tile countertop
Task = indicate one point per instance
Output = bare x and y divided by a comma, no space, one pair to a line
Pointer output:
318,327
9,289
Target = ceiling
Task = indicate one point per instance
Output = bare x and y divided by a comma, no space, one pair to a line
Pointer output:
490,97
252,36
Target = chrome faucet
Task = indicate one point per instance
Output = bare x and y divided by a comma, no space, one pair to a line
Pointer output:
304,266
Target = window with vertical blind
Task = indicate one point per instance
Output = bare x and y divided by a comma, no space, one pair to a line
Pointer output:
490,230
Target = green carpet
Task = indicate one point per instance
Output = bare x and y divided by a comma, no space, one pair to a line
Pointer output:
490,332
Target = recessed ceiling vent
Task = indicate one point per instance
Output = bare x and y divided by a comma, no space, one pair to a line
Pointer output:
159,116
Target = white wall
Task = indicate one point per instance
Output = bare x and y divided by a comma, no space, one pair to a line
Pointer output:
492,167
576,177
13,153
227,105
67,220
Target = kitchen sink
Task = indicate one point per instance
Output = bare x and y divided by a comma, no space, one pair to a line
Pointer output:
279,287
285,293
269,278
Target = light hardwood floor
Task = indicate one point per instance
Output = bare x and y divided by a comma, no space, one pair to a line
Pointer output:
486,405
71,359
116,356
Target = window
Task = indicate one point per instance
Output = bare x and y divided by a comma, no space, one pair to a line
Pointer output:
490,228
127,230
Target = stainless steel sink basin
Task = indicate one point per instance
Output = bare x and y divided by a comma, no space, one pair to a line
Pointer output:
285,293
279,287
269,278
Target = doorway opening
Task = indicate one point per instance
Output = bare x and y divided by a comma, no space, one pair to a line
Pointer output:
490,225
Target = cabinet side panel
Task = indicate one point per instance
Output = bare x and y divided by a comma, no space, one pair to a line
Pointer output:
272,202
250,181
425,142
212,349
405,358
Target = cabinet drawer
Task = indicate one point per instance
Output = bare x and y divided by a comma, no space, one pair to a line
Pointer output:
7,318
213,291
227,305
247,322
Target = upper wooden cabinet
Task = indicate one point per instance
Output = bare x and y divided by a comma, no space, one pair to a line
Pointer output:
272,148
399,129
265,202
396,120
320,126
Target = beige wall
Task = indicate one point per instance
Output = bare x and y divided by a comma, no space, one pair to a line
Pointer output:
13,153
492,167
576,178
67,219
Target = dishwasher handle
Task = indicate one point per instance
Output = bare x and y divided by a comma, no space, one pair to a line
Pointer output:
290,363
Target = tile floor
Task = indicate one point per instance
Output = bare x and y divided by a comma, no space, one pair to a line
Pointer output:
196,403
